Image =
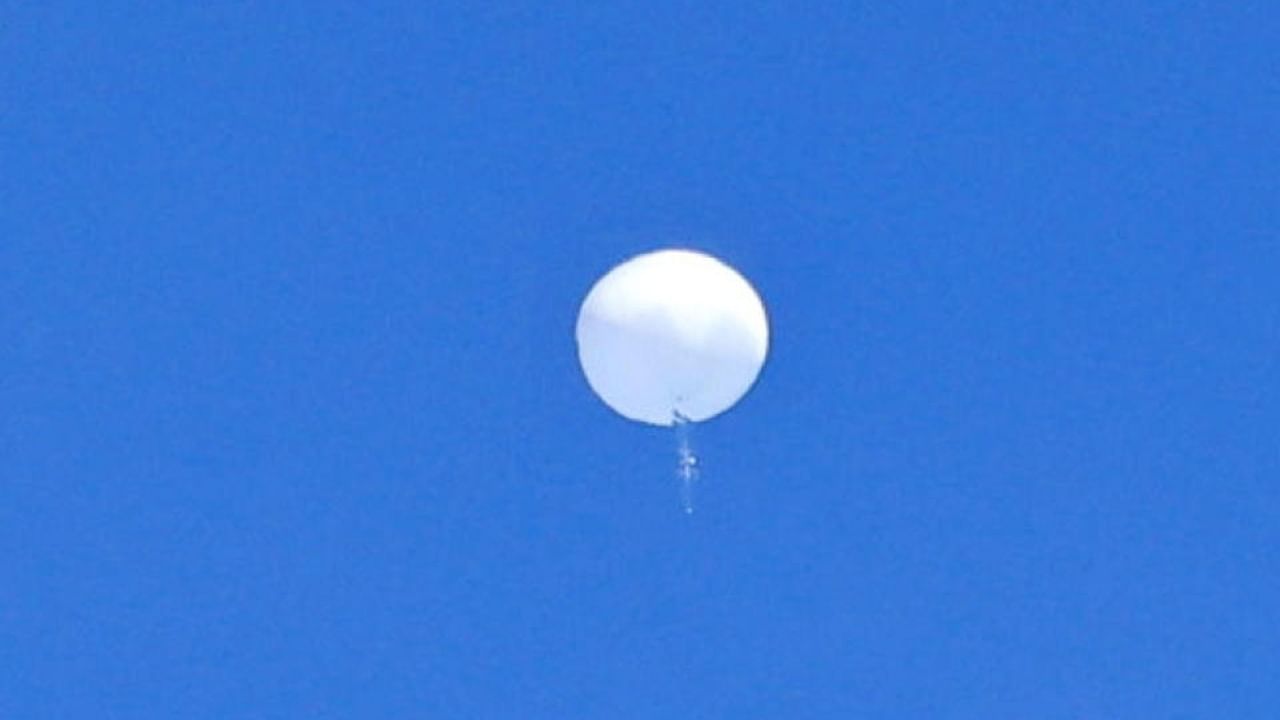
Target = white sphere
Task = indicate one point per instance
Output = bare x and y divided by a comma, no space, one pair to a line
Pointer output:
672,332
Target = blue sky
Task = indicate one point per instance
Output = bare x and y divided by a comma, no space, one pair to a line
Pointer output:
293,426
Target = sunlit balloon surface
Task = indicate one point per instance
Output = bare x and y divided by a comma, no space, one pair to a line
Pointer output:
672,334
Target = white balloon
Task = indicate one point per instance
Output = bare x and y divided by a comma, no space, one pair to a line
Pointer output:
672,334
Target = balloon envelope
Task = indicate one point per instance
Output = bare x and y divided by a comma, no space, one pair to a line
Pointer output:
672,332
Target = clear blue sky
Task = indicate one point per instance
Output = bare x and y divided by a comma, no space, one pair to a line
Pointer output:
291,423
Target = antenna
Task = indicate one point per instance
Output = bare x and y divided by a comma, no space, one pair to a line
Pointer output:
686,461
